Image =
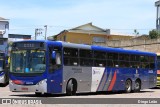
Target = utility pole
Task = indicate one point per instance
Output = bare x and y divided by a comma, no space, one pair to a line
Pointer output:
157,4
45,32
36,33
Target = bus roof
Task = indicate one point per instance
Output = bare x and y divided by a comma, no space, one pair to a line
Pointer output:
93,47
121,50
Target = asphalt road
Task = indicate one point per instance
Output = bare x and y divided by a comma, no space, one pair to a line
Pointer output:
147,93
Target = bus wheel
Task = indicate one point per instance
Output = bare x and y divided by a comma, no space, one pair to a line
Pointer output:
71,87
137,86
38,93
5,81
128,86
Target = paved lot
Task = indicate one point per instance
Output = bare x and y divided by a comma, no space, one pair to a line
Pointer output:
147,93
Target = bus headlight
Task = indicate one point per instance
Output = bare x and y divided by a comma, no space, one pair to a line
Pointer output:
42,81
11,82
1,69
2,77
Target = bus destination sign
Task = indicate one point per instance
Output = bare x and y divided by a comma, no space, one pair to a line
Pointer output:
29,45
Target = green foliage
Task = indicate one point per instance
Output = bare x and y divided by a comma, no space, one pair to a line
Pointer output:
153,34
136,32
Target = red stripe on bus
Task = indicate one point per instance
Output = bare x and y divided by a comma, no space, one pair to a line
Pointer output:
19,82
158,71
113,81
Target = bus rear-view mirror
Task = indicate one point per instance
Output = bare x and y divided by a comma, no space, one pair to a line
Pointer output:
53,55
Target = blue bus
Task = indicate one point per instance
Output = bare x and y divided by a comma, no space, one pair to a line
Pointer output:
4,79
60,67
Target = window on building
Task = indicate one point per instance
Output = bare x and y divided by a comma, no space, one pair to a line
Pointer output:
64,38
99,39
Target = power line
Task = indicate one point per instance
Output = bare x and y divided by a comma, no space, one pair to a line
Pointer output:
59,26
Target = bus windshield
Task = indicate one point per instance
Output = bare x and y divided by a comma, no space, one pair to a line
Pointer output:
28,61
1,64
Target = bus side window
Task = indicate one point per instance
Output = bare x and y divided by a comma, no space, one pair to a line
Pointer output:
71,57
86,57
112,59
152,63
99,59
124,60
54,64
110,63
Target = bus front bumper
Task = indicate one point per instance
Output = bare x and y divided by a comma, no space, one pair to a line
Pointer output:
158,82
40,87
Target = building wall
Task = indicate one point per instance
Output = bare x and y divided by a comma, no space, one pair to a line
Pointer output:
4,45
81,38
86,38
152,45
119,37
4,27
4,30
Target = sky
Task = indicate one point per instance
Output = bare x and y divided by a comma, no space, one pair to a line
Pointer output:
121,16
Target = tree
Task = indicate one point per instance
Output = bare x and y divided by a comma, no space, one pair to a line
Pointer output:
136,32
153,34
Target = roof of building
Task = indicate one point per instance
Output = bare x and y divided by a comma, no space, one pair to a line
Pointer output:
89,28
19,36
3,19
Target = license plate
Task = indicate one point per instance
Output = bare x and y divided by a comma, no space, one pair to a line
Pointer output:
24,88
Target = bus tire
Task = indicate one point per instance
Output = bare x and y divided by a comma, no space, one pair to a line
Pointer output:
128,86
6,79
71,87
137,86
38,93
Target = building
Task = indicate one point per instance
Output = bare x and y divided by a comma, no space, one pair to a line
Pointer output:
18,37
4,30
4,27
6,38
87,34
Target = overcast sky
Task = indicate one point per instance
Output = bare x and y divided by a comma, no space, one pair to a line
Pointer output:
121,16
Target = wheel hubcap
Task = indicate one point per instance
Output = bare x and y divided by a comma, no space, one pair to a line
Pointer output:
137,85
128,85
